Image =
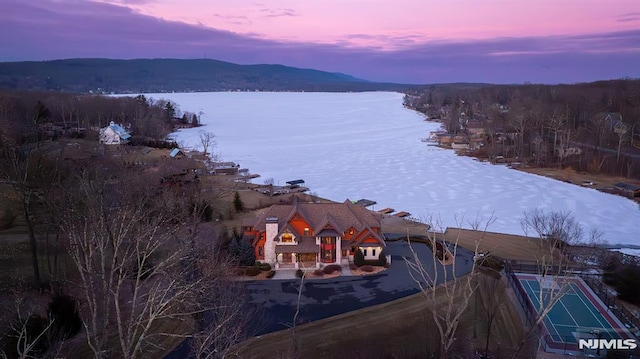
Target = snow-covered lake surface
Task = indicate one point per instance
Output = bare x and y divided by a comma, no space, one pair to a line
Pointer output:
367,145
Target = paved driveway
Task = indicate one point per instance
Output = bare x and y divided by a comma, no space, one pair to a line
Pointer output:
322,298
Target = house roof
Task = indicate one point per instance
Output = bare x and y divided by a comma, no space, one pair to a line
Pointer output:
119,130
335,217
305,245
612,116
174,152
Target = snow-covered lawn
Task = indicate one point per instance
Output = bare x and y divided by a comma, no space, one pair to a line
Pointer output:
366,145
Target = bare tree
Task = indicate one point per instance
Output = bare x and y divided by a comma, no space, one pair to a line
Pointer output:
559,228
450,300
519,121
270,182
208,142
556,231
137,265
227,316
489,302
25,169
556,123
30,334
621,130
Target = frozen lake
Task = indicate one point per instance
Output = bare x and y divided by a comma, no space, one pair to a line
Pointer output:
366,145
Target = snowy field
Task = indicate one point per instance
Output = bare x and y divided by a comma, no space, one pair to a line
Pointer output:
366,145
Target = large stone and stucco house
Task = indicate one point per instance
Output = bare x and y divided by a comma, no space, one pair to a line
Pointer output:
308,235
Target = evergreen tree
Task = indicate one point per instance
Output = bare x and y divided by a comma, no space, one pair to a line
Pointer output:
169,111
42,113
246,255
358,258
238,206
382,258
234,247
194,120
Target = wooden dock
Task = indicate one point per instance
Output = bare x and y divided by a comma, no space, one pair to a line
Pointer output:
386,210
402,214
365,202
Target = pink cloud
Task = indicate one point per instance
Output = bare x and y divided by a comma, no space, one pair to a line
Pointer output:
50,29
330,21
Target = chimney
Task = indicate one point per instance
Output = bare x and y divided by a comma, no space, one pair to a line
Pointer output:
269,245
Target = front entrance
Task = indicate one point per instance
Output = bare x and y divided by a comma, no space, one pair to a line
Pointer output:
307,260
287,258
328,249
307,257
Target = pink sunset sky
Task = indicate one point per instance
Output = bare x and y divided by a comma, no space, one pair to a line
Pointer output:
414,41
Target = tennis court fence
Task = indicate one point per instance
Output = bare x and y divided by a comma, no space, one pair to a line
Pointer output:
521,294
629,319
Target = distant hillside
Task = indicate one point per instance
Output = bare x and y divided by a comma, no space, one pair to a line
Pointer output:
172,75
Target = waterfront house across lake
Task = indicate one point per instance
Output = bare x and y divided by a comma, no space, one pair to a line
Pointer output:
114,134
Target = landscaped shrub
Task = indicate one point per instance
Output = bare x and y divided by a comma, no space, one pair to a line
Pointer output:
332,268
271,273
382,258
252,271
366,268
358,258
237,271
299,273
318,273
263,266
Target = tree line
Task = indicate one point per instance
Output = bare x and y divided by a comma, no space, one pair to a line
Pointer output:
28,116
592,127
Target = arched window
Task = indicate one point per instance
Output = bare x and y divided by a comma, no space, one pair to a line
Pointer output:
287,238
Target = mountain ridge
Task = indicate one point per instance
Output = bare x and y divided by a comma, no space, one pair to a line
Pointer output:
103,75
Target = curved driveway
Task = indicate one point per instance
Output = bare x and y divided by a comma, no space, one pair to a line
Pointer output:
322,298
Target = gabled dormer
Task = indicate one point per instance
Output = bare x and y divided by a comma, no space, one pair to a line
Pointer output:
287,237
367,235
328,226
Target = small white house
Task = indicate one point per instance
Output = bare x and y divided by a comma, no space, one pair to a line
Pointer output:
114,134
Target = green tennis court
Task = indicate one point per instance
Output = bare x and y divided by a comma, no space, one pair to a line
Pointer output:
577,312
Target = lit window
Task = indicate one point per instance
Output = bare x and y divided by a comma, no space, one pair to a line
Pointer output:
306,231
287,238
351,231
